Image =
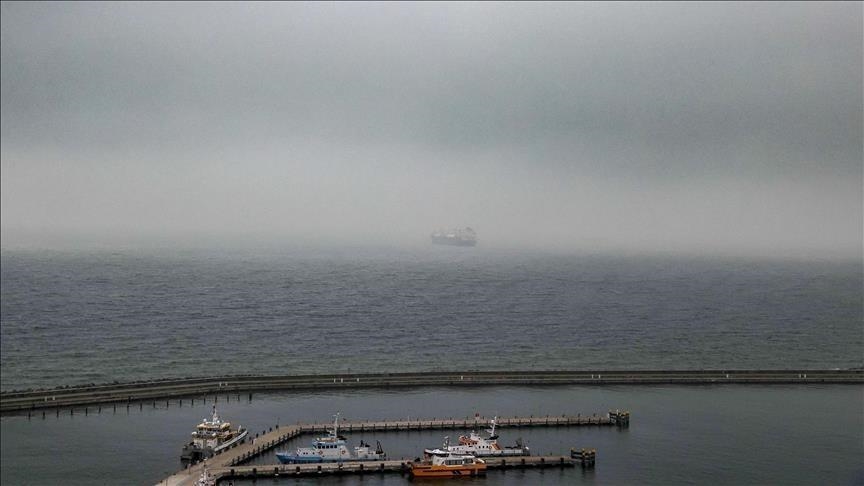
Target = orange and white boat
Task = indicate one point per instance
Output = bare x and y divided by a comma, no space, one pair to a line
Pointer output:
445,464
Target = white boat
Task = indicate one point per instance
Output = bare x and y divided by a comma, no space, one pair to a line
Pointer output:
476,445
211,436
332,448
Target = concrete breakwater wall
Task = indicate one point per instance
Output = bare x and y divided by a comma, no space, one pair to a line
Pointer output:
138,392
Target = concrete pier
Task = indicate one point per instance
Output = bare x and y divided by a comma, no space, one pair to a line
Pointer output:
233,386
376,467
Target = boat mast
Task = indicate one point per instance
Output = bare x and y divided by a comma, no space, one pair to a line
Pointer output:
492,430
336,425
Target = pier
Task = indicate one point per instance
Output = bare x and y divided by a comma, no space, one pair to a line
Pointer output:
229,463
378,467
140,394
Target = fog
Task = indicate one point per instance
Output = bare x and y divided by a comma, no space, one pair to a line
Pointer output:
706,128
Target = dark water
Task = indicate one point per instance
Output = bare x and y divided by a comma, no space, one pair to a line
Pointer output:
729,434
82,317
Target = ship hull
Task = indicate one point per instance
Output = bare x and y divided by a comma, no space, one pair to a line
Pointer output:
294,459
439,240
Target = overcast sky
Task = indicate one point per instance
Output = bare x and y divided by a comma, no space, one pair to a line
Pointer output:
707,127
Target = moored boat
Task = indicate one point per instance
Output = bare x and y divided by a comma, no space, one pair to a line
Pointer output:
211,436
476,445
332,448
445,464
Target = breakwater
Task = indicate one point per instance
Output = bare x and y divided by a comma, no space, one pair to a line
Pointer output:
137,393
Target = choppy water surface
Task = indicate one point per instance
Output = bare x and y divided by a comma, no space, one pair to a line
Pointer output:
81,317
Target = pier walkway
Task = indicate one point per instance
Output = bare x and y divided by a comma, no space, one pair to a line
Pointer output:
377,467
222,464
135,393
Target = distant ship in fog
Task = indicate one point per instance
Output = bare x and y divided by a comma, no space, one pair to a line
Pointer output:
455,237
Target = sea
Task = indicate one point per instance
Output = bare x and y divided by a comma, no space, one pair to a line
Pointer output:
104,315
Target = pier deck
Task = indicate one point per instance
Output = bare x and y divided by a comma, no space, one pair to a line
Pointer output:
233,458
376,467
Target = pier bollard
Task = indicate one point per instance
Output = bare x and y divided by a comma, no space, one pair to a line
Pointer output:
297,470
319,469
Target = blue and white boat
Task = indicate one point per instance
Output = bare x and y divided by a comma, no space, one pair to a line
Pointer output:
332,448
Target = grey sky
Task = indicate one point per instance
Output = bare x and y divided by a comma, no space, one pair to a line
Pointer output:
715,126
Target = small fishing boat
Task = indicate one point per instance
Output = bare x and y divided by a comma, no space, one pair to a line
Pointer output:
332,448
211,436
442,463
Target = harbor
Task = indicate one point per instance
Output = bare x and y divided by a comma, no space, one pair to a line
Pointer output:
229,462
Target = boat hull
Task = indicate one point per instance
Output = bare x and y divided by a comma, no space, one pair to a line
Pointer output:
294,459
488,452
442,240
236,440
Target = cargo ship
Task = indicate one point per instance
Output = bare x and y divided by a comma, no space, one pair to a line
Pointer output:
455,237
